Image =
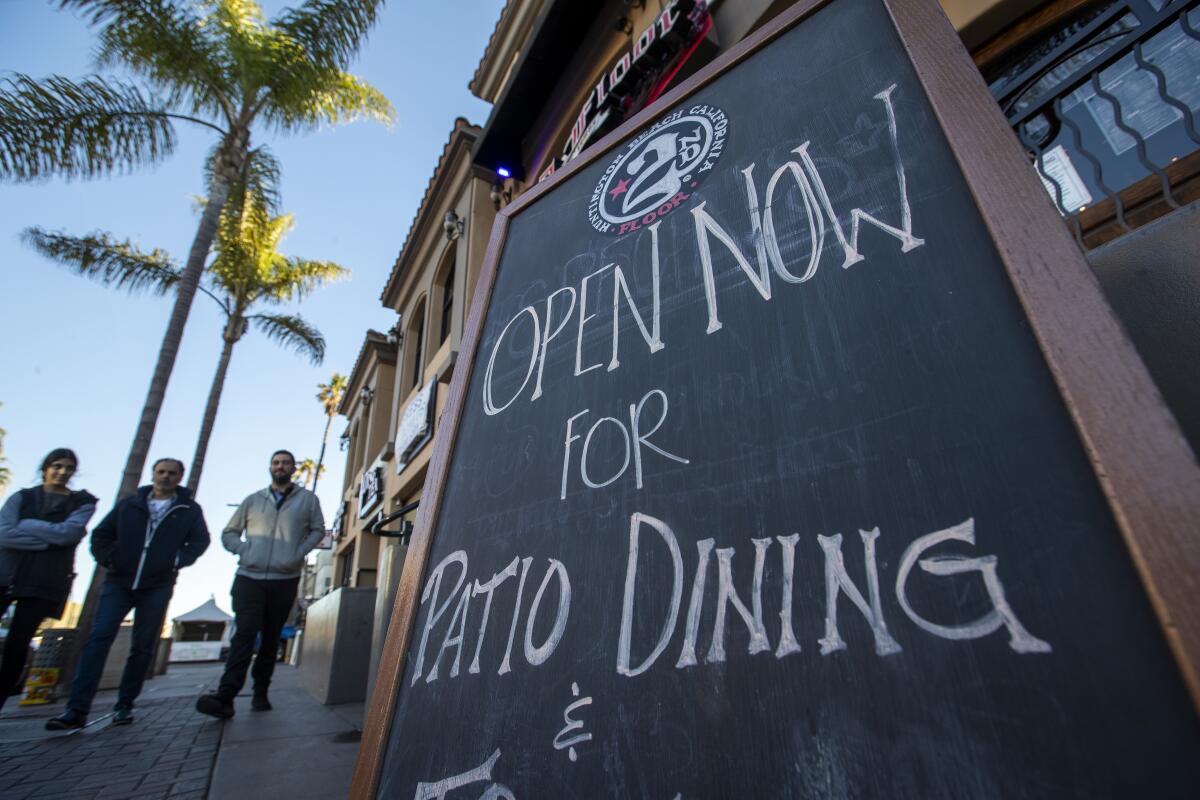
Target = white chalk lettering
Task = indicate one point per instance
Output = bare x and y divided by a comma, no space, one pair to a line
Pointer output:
1001,614
538,655
653,337
454,638
640,439
687,656
583,458
583,320
432,587
633,439
816,223
488,589
837,581
548,335
562,495
567,738
489,404
787,638
767,258
706,225
455,633
505,665
857,215
635,525
439,790
726,595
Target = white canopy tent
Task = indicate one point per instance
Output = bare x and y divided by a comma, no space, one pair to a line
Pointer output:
200,634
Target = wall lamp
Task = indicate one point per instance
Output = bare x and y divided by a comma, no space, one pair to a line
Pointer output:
500,193
452,225
501,196
366,395
394,336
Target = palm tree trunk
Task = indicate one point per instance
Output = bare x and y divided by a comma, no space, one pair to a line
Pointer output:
229,165
210,415
321,458
185,292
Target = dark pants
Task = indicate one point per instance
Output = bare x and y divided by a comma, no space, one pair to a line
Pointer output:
260,609
29,613
149,606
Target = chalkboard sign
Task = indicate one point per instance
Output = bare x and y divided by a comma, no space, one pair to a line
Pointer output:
793,454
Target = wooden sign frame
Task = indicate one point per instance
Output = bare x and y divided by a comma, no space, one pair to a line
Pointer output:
1146,469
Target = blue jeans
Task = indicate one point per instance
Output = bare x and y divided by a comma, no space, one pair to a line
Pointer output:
149,607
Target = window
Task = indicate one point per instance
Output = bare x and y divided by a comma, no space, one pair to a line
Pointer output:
347,564
1096,95
447,285
416,349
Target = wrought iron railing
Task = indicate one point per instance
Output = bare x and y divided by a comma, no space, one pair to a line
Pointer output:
1105,103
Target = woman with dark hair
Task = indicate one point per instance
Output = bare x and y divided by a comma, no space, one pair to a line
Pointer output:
39,530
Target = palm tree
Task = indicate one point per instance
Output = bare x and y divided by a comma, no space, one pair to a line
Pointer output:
214,63
330,397
247,271
308,469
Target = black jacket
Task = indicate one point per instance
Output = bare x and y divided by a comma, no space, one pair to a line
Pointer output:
120,543
46,573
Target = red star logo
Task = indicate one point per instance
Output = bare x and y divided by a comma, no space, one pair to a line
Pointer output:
619,189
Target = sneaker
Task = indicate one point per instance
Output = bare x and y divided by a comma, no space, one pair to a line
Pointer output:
215,706
260,703
124,716
66,721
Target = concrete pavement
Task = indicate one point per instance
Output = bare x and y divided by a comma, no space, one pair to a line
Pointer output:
300,750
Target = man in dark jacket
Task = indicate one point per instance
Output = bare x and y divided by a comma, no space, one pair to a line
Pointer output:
143,543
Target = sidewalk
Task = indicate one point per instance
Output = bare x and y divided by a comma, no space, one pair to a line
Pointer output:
299,750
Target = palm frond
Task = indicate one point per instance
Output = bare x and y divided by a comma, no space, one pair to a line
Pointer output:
168,44
293,332
99,257
247,234
85,129
331,31
305,96
262,177
245,249
296,278
329,395
102,12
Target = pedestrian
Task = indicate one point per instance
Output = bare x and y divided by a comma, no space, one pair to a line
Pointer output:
271,532
39,531
142,543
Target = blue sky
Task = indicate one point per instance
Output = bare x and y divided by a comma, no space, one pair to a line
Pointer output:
77,357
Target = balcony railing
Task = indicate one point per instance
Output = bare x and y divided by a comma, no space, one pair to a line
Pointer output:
1105,103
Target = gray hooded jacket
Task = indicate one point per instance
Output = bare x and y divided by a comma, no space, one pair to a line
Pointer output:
277,538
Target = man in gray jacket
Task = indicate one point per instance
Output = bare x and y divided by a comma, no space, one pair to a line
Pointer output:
270,533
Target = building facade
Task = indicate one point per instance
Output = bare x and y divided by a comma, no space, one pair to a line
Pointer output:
399,383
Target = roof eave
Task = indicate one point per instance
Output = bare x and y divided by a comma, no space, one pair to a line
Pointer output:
462,139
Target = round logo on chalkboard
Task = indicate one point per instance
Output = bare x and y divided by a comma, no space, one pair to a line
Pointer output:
657,171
